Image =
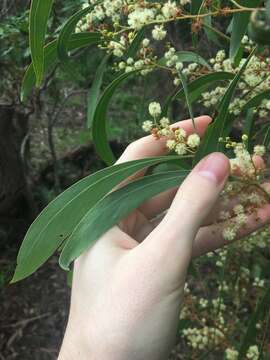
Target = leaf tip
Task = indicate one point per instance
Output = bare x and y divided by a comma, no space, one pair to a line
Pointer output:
38,82
64,264
15,278
22,96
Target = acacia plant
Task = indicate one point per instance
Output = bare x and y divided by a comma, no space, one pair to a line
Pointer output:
233,86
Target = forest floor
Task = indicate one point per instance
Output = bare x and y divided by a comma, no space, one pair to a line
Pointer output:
33,313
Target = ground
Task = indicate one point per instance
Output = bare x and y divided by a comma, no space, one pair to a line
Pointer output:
33,314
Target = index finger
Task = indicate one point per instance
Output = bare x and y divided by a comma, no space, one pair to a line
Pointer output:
148,146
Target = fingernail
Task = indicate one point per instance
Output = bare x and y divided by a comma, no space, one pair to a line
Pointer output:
214,167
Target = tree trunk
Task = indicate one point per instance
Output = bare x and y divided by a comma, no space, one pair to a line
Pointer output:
16,206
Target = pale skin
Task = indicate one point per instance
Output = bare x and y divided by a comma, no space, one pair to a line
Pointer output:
128,287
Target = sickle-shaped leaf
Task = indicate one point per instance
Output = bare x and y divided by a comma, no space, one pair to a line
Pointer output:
76,41
38,19
239,26
29,79
112,208
216,130
67,30
95,91
248,127
187,96
197,87
57,221
266,140
99,132
256,100
134,46
213,34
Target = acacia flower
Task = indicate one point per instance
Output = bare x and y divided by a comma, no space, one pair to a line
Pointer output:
193,141
154,109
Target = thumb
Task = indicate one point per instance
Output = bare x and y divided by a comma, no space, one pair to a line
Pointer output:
173,238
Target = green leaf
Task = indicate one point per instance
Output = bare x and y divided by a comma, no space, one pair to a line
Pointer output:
186,92
134,46
263,133
266,140
112,208
239,28
69,278
95,91
38,19
58,220
213,34
195,6
188,56
256,100
239,25
250,335
67,30
197,87
99,132
76,41
248,127
29,79
267,7
217,129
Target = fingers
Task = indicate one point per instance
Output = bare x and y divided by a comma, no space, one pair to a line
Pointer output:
153,207
173,238
147,146
214,215
258,163
210,238
162,202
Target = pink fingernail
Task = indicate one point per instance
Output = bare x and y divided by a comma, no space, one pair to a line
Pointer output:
214,167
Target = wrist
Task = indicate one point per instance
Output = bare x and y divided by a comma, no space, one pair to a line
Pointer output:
79,344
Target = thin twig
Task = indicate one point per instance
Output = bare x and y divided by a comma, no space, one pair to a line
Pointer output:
25,322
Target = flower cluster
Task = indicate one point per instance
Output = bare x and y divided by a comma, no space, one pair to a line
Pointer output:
131,14
177,138
203,338
253,352
255,80
223,315
119,22
246,187
231,354
244,163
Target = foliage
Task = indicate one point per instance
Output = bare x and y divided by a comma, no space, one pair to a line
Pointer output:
234,85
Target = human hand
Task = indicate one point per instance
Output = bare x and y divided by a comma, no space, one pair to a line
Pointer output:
128,287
